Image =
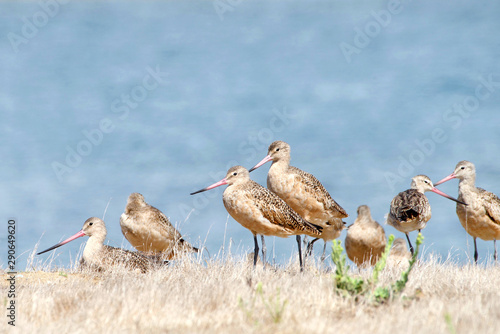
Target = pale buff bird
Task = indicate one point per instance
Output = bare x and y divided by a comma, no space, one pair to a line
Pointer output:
260,210
303,192
150,231
98,256
399,256
481,216
410,210
365,241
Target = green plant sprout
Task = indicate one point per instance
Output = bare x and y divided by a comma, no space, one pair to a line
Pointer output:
352,286
274,306
449,323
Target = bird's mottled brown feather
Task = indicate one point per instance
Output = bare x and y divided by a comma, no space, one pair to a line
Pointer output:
150,231
491,204
113,256
365,240
277,211
409,205
98,256
313,187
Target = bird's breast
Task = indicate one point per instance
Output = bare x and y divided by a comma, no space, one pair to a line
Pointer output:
239,204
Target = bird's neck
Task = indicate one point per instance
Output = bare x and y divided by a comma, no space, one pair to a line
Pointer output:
93,246
419,189
467,184
280,165
133,207
366,220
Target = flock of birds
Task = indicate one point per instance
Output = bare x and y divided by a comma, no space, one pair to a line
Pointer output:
145,227
294,203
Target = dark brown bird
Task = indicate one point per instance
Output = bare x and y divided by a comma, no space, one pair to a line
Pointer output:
365,241
481,216
303,192
410,210
150,231
260,210
102,257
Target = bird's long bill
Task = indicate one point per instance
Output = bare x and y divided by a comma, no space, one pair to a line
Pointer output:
266,159
76,236
439,192
448,178
215,185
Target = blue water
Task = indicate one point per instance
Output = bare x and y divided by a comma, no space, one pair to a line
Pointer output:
228,83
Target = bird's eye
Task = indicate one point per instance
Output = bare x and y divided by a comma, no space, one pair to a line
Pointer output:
90,224
277,149
462,167
235,173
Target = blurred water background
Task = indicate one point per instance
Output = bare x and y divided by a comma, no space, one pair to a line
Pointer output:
99,99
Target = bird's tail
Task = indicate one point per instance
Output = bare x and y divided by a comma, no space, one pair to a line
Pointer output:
318,229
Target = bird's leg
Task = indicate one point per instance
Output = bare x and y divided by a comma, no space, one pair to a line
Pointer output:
304,243
495,247
264,250
323,257
255,251
310,246
300,253
476,255
409,243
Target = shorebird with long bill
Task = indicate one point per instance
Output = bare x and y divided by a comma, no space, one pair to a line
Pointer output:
410,209
365,241
481,216
260,210
150,231
102,257
399,256
303,193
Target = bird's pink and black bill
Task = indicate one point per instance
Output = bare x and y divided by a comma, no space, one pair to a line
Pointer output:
263,161
76,236
215,185
448,178
439,192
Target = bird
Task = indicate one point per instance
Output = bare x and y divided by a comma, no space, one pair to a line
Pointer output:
303,193
102,257
260,210
481,216
365,241
399,256
150,231
410,209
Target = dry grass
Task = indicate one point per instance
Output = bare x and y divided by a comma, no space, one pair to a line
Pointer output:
226,296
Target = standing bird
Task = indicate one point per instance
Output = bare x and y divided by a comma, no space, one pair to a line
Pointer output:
399,256
410,209
365,240
481,216
102,257
304,193
260,210
150,231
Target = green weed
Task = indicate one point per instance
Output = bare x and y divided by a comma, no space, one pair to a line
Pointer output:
449,323
347,285
273,304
